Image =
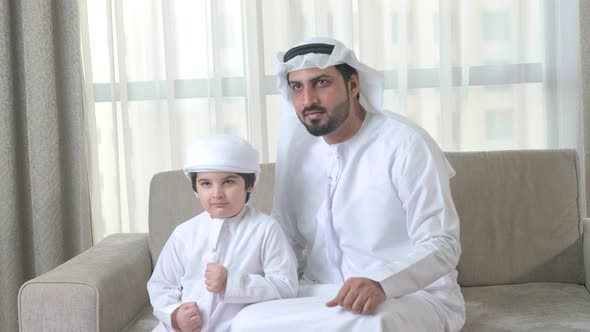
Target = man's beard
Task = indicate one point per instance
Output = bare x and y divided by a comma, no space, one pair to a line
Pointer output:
340,114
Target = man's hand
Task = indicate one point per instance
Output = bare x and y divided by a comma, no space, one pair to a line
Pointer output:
216,278
360,295
187,318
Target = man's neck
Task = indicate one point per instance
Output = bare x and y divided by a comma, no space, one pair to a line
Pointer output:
349,127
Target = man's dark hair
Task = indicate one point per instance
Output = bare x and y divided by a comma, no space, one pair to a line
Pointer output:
249,179
347,71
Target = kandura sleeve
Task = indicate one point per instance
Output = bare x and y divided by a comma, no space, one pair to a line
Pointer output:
164,286
421,178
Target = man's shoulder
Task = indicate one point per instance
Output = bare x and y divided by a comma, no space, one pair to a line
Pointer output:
394,129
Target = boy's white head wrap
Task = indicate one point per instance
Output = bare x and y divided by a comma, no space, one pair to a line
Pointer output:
221,153
322,52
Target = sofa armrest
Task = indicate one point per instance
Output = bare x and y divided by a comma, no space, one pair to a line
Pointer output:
586,246
102,289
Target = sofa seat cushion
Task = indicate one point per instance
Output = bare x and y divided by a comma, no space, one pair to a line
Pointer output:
146,321
527,307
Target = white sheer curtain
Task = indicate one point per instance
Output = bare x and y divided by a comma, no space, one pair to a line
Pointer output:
478,75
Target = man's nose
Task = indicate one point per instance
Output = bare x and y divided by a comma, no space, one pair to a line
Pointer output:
310,97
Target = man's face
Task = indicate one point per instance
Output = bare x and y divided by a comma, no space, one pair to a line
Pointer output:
320,98
222,194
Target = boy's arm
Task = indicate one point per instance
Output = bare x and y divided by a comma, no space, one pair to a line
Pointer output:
280,273
164,286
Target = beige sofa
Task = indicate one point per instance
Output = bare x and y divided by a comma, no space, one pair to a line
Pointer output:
522,269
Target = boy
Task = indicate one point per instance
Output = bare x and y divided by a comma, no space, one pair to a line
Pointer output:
227,257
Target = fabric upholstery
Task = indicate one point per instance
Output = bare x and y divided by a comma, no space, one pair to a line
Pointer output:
146,321
44,200
551,307
68,301
519,217
101,289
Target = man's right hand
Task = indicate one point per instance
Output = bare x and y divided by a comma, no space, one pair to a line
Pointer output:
187,318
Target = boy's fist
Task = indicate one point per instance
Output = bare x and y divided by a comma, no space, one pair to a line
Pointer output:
187,317
216,278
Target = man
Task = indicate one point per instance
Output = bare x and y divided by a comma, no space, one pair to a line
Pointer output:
365,194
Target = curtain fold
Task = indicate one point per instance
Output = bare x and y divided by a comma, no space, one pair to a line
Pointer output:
585,68
44,200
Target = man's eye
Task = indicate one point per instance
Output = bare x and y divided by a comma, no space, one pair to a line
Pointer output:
204,184
296,87
321,82
229,181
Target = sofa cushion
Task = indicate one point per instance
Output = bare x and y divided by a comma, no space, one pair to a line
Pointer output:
146,321
519,217
527,307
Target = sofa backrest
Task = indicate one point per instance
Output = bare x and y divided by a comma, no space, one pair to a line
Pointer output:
518,210
519,217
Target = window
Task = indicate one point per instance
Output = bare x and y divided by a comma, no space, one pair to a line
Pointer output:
477,75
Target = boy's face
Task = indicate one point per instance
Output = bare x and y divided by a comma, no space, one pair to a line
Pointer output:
222,194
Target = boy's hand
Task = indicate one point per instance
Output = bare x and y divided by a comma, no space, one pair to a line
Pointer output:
216,278
187,318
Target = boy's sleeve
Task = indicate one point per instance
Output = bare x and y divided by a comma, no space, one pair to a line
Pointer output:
280,273
164,285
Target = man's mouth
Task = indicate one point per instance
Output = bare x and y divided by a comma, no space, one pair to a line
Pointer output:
313,114
219,204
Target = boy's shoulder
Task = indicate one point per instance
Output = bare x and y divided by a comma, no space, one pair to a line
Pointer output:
193,222
260,218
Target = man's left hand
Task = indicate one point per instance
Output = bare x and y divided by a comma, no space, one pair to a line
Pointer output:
360,295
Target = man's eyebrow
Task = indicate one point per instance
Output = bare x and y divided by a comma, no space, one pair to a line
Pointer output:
313,79
320,77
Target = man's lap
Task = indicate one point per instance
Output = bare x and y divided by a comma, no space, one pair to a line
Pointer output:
308,312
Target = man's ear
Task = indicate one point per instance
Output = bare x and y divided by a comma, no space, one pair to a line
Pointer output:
355,85
250,189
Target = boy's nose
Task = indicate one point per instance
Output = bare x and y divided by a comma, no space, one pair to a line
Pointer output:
218,192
